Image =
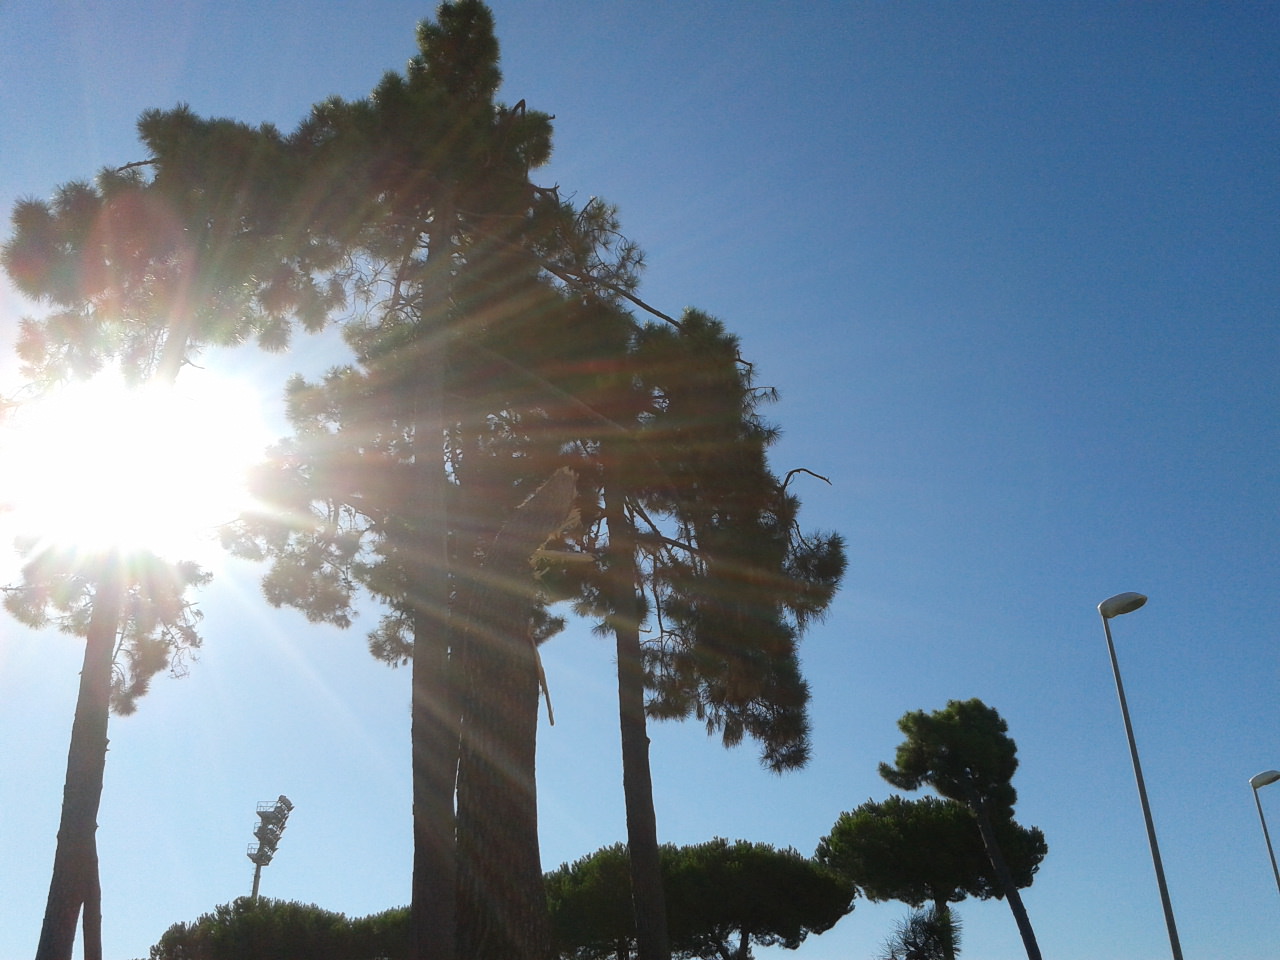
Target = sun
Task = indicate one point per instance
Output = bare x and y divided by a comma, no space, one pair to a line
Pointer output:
100,464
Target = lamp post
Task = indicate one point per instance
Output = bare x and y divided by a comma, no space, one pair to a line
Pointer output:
1261,780
1116,606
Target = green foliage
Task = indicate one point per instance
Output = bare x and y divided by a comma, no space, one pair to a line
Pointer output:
964,752
925,851
720,892
590,905
343,489
722,898
158,625
731,606
148,271
928,934
262,929
917,851
959,751
727,581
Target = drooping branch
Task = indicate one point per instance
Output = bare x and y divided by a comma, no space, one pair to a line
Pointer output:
579,279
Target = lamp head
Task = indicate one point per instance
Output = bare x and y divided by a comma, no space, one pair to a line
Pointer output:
1121,603
1263,778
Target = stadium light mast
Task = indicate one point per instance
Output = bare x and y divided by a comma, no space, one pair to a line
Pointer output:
272,816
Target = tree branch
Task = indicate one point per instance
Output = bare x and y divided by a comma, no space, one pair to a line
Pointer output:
135,164
792,473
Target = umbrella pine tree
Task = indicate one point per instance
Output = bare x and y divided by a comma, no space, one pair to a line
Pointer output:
964,752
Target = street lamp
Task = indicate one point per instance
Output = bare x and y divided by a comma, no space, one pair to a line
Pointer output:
1116,606
1261,780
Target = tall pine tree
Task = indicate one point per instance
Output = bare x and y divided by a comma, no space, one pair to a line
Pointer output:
143,273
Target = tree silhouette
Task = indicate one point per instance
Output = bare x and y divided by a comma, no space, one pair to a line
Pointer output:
135,619
724,898
925,851
407,464
116,266
265,929
145,272
551,370
699,544
928,934
492,345
964,753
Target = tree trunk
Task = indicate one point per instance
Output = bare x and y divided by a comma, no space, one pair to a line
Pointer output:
502,902
91,922
434,710
1008,887
75,857
502,906
647,898
434,738
942,912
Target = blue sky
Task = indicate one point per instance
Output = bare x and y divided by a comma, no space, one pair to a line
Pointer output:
1013,268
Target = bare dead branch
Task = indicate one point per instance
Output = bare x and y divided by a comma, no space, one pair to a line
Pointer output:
792,473
136,164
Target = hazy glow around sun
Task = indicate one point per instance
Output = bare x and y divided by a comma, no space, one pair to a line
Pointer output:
99,464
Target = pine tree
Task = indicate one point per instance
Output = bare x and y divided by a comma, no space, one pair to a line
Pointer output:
964,752
925,852
136,621
133,273
697,540
726,898
927,934
492,344
412,460
144,268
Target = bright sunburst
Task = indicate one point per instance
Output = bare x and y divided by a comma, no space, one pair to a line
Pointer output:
100,464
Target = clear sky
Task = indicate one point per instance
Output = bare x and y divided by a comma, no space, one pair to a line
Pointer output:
1012,266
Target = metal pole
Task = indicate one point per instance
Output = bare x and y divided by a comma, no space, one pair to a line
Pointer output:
1266,835
1142,795
257,877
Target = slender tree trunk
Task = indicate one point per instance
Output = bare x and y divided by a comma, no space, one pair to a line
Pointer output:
75,889
434,710
647,898
1003,875
942,912
75,857
91,923
434,740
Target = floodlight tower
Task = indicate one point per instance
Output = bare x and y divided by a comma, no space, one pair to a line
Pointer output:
272,816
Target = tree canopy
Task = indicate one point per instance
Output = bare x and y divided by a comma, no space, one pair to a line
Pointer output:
926,852
963,751
916,851
265,929
723,899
